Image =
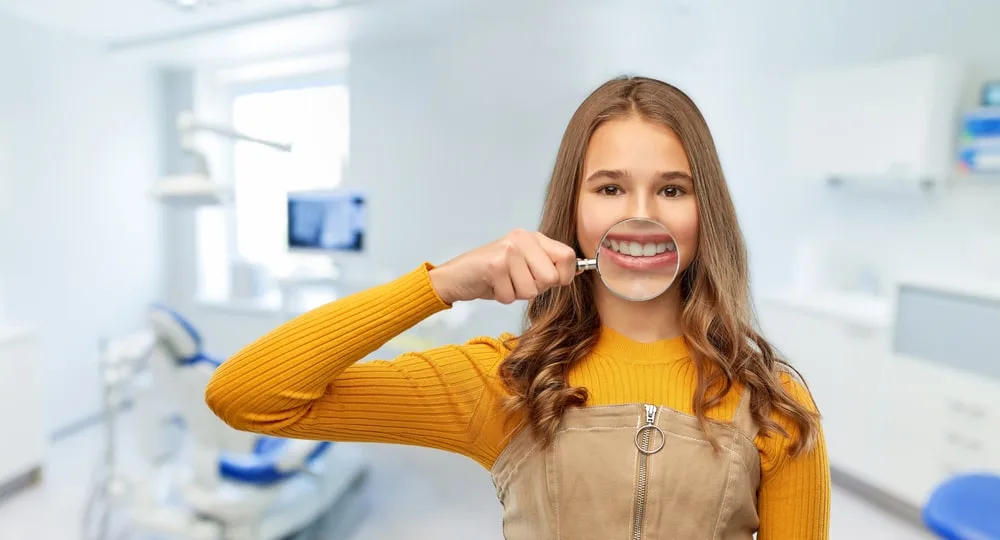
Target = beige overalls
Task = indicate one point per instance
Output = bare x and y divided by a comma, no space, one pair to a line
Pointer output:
632,472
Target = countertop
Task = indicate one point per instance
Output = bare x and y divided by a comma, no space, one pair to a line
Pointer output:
857,308
971,285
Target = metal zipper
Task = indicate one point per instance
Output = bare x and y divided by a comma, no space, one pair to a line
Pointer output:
642,443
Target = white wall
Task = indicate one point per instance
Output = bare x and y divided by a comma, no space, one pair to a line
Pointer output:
79,238
745,93
455,134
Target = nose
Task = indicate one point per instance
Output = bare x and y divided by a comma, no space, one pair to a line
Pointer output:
641,206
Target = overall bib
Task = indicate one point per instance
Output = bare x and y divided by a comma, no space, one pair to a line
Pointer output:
632,472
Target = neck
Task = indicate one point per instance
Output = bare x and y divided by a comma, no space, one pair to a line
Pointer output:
646,322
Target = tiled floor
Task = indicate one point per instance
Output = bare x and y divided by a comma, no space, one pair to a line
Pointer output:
414,494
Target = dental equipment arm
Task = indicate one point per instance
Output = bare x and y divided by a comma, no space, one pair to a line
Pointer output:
188,125
196,188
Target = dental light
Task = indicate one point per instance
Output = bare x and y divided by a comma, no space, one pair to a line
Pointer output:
197,188
189,5
196,5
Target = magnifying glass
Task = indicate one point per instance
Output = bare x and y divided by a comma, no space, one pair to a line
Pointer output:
637,259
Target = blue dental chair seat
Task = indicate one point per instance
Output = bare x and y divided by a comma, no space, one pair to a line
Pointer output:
262,466
273,459
965,507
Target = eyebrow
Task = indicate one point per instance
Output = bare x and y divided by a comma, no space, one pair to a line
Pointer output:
619,174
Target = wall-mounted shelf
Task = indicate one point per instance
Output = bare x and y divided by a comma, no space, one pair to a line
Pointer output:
916,185
886,183
883,127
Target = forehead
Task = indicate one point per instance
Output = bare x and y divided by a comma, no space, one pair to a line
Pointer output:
636,146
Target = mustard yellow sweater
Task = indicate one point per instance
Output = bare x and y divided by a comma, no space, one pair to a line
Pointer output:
304,380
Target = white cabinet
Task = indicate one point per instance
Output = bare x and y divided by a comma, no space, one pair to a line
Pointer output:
901,424
886,125
24,441
843,363
944,422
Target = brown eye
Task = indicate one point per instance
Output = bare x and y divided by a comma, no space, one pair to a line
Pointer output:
672,191
610,190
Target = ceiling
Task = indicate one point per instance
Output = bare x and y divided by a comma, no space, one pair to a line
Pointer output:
124,20
240,31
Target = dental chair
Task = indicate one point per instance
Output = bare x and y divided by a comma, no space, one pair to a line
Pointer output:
965,507
228,484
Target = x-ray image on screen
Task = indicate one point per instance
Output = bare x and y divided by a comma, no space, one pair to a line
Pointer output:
326,221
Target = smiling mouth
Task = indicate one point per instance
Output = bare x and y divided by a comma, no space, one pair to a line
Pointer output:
640,245
640,253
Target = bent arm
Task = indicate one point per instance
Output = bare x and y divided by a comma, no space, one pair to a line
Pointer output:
302,380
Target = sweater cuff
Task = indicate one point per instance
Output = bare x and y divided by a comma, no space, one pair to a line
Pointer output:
419,281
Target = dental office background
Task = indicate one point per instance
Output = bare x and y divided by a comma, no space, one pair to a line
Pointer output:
855,136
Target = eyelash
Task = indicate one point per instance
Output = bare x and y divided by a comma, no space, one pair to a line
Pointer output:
603,190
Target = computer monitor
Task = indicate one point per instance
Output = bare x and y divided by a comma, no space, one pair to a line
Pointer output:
326,221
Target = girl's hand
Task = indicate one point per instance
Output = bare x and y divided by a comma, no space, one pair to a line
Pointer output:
519,266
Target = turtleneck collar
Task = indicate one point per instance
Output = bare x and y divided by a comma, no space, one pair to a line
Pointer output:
612,344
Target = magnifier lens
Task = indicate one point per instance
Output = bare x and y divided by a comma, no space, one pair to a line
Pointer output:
638,259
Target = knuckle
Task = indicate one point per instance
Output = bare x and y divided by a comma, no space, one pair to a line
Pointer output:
507,245
568,254
496,265
549,279
515,236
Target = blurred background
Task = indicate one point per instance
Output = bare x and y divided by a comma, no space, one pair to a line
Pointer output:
238,162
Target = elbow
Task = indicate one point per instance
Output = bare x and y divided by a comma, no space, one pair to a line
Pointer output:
231,401
220,397
242,406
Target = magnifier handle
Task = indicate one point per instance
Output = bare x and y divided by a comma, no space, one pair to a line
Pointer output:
582,265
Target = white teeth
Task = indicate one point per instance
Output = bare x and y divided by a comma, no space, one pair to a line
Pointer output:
636,249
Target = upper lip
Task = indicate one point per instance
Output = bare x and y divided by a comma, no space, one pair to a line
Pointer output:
658,238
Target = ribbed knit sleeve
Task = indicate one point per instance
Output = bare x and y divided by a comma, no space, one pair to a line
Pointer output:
795,491
303,380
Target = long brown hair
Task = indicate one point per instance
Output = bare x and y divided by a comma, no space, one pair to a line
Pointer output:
562,324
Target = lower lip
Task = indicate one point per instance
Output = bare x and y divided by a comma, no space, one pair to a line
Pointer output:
656,262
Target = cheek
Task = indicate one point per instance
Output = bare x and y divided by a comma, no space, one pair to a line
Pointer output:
588,235
684,226
590,228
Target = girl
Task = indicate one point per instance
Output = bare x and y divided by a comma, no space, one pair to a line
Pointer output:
605,418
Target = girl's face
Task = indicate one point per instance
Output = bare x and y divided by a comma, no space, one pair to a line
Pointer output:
633,168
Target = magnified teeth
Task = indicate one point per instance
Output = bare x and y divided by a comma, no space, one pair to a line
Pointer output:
639,249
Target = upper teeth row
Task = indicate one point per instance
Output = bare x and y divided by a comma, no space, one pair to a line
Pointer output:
636,249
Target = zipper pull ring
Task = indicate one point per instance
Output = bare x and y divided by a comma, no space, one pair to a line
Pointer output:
645,433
